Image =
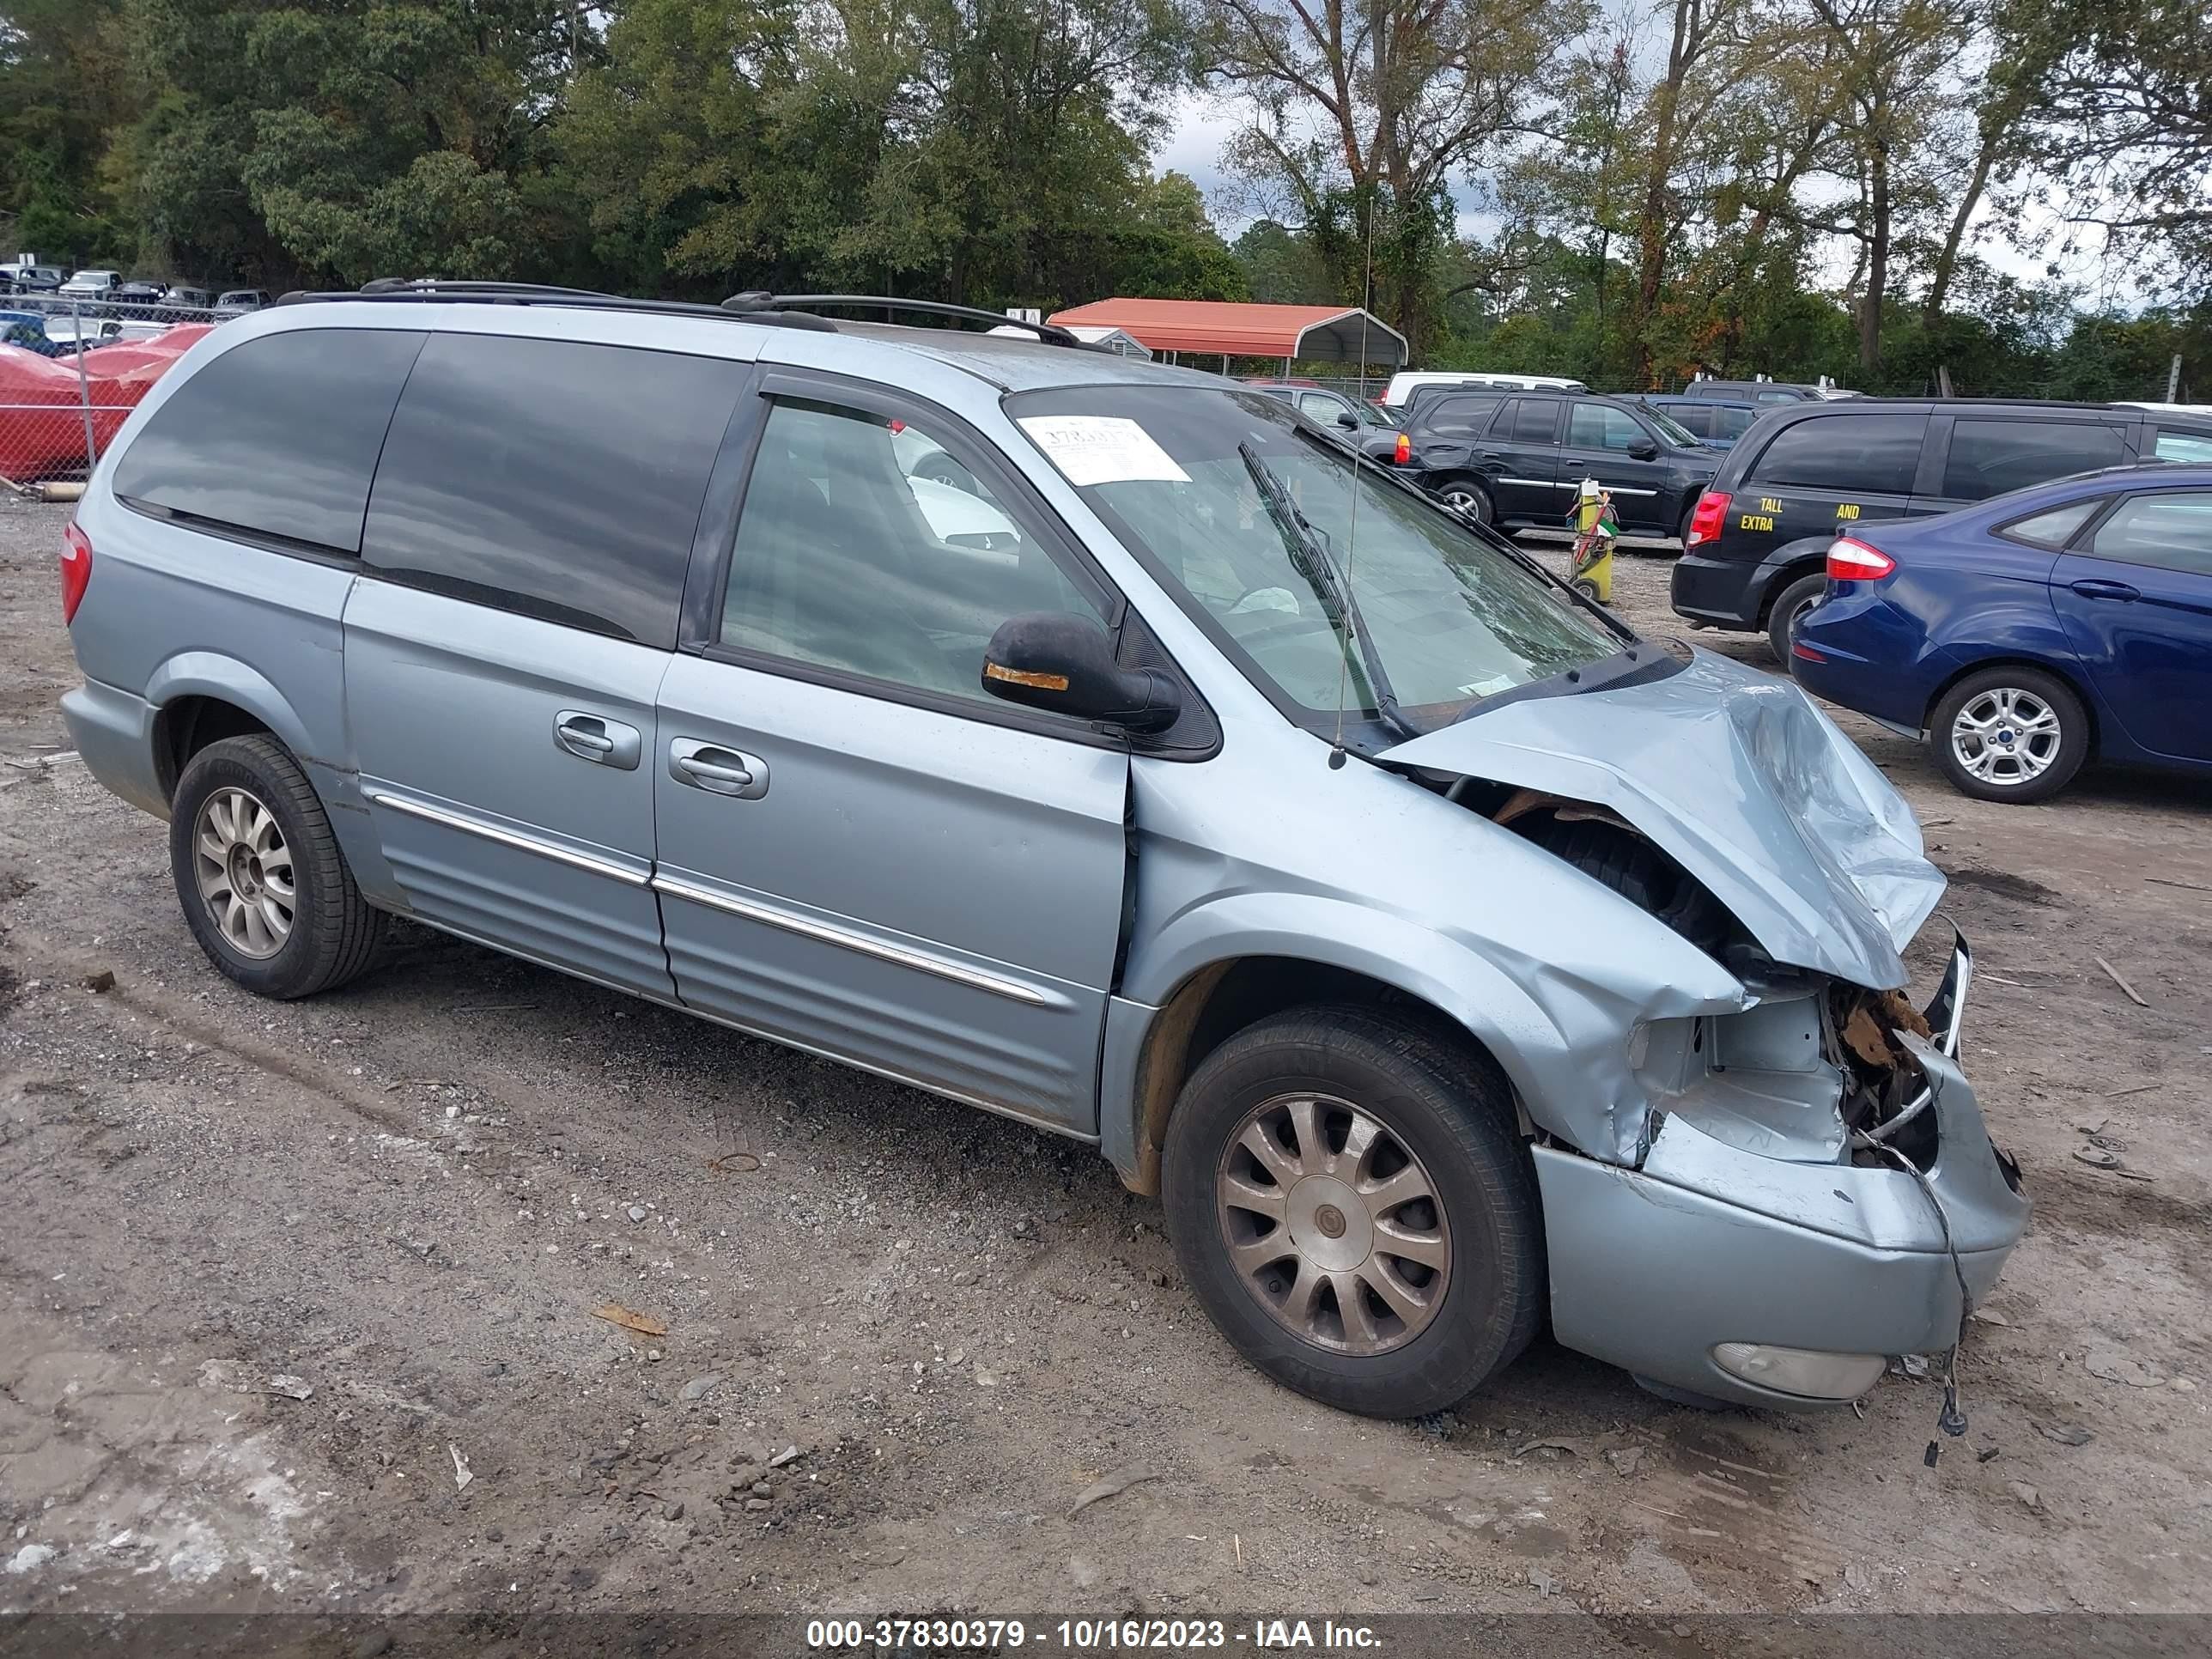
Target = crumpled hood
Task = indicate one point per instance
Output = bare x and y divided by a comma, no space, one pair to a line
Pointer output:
1738,776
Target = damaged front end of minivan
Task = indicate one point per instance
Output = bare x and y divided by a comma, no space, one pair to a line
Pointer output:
1762,1198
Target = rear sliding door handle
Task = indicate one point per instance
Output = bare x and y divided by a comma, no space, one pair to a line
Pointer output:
2097,587
717,770
595,739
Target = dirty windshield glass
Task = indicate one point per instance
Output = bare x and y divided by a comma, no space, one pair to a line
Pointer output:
1438,620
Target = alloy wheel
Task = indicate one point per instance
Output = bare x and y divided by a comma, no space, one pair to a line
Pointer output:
1333,1224
2006,736
243,871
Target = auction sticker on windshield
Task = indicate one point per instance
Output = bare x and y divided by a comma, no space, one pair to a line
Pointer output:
1101,449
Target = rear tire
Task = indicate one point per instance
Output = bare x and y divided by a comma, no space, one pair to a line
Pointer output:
258,871
1790,604
2009,734
1440,1173
1471,499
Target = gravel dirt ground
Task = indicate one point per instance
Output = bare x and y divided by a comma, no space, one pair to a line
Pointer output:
297,1301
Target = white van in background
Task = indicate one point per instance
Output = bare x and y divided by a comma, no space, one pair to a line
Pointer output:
1401,385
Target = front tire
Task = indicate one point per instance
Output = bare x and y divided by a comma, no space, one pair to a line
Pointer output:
1793,602
257,870
2009,734
1350,1199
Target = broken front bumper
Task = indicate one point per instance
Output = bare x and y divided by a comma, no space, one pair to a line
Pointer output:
1652,1269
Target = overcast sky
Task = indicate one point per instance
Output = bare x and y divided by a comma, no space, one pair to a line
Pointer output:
1202,126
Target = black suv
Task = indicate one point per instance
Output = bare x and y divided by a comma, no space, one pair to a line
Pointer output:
1517,459
1758,545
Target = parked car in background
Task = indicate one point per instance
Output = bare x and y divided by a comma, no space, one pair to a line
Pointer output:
196,299
1756,555
92,285
1760,391
1357,421
238,301
1517,460
1525,1011
2021,638
34,279
28,329
142,293
1403,384
1714,422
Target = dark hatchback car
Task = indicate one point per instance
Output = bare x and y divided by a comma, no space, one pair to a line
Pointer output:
1516,459
1755,555
2028,634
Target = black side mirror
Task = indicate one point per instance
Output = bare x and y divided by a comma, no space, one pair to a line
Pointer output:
1643,450
1049,659
1348,420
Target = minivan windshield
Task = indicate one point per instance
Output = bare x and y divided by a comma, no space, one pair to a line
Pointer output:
1250,521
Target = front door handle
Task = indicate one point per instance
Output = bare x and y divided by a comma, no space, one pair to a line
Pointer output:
2097,587
717,770
593,738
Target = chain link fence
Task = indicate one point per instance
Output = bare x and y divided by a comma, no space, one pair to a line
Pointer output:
71,370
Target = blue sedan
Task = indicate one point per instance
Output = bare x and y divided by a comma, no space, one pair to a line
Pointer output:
2023,635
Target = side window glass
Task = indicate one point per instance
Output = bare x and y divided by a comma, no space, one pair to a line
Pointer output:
1316,407
1990,457
1853,455
2053,529
1599,426
1693,420
2194,448
278,435
549,477
865,546
1732,423
1462,417
1536,420
2171,530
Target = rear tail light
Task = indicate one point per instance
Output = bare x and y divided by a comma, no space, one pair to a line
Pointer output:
1403,454
1706,523
76,572
1852,561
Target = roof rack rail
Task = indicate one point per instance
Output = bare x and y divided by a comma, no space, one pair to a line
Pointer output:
417,290
756,300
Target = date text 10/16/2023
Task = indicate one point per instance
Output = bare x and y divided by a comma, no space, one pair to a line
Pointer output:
984,1635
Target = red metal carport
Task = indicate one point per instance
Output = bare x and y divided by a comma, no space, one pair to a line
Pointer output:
1327,334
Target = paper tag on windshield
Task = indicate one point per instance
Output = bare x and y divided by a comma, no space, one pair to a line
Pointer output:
1101,449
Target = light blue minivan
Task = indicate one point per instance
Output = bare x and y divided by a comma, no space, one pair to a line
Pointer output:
1445,956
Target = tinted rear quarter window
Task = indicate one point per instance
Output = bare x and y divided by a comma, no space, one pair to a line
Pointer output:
1460,417
1692,417
2171,530
551,478
1530,420
2180,444
1989,457
1850,454
278,435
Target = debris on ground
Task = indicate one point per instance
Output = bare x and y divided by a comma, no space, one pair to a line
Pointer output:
2133,995
2029,1497
644,1324
637,1212
700,1387
788,1455
2116,1366
31,1557
2066,1434
1625,1460
101,982
292,1387
1120,1481
461,1475
2096,1158
1543,1581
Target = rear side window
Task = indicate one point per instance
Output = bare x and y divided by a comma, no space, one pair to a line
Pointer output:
1691,418
553,478
2056,528
277,436
1850,455
1990,457
2195,447
2171,530
1530,420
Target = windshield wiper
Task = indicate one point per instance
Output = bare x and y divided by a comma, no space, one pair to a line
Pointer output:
1310,558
